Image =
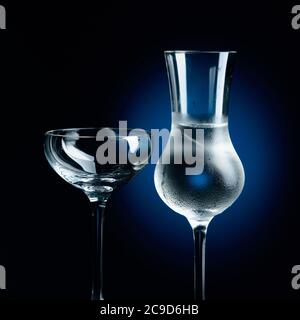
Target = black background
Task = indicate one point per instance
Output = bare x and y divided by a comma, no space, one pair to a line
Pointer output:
68,67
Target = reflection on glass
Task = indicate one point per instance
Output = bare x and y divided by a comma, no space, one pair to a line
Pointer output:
72,153
199,88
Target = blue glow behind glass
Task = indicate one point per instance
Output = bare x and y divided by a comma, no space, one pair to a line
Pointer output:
256,138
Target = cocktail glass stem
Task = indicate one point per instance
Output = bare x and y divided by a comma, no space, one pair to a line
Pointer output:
199,262
97,224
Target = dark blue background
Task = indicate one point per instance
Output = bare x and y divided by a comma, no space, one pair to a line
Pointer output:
258,138
86,66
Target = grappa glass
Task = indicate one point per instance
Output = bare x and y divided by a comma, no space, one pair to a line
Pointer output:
199,85
72,153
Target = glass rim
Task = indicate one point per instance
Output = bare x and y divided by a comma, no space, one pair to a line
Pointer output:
198,51
63,133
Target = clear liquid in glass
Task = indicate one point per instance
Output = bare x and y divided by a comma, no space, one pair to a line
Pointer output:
200,197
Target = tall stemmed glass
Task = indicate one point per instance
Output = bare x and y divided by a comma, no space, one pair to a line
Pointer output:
199,87
97,161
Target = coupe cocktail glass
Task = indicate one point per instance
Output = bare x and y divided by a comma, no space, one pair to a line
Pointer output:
97,166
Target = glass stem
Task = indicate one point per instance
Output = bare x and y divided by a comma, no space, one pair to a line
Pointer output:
97,222
199,262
